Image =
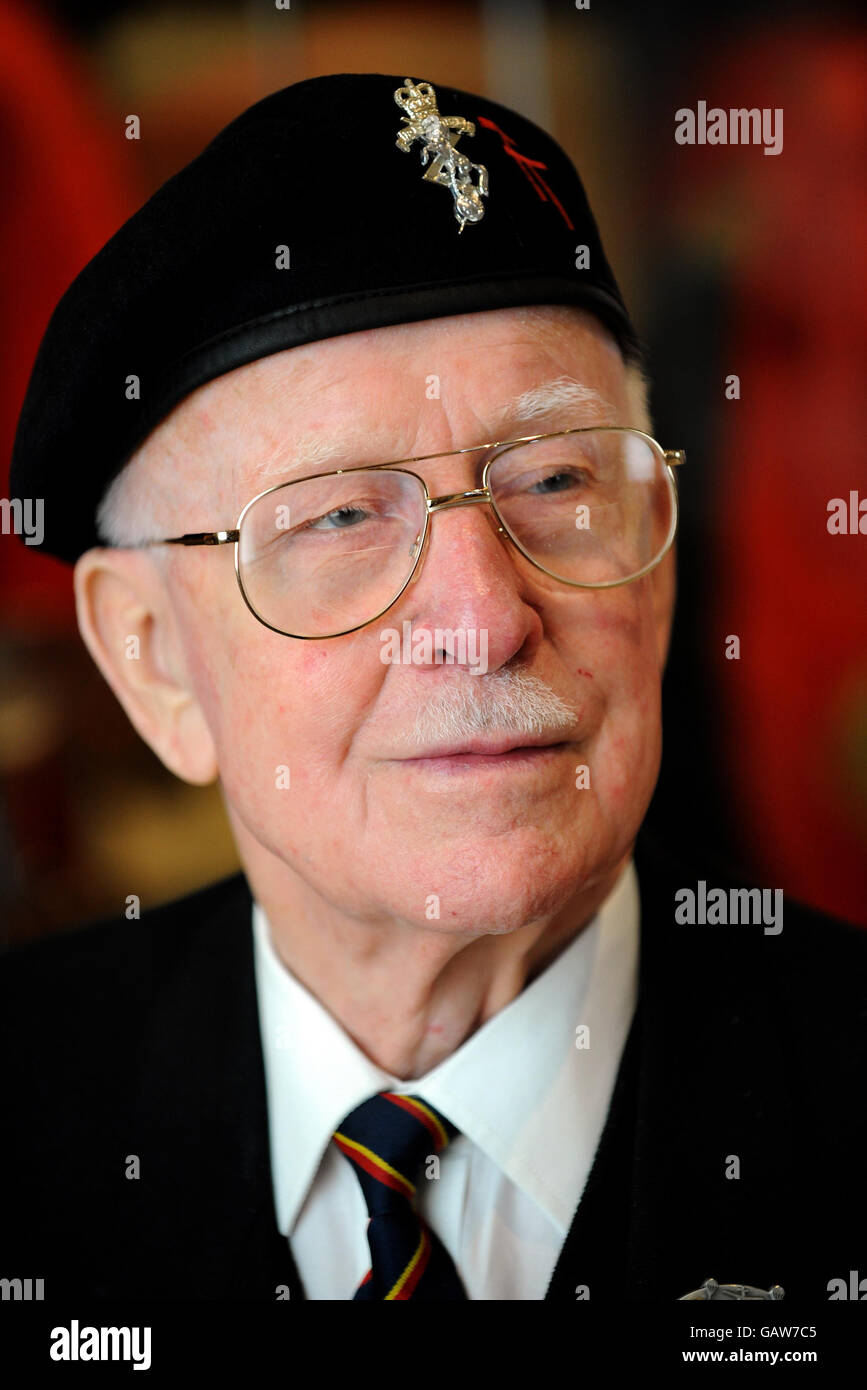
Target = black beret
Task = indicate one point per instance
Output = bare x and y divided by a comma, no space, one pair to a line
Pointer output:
341,203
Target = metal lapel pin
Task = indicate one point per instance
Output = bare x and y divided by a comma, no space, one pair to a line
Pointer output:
718,1293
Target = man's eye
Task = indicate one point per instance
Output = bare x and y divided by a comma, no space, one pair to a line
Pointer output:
338,520
559,482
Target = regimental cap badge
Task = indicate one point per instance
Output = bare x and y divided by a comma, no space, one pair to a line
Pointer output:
439,136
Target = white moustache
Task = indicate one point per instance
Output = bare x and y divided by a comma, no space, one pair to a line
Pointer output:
503,701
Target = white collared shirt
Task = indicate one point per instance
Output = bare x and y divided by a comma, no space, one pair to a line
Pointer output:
530,1106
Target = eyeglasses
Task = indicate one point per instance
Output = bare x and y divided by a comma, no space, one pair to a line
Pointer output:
327,554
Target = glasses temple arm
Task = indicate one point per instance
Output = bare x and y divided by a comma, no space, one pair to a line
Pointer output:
198,538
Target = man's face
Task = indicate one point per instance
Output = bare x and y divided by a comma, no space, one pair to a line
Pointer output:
364,821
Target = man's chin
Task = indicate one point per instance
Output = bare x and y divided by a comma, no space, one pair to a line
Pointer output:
493,897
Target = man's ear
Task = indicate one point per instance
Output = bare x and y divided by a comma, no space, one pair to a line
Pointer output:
127,621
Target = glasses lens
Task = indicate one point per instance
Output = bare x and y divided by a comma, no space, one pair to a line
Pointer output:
325,555
592,507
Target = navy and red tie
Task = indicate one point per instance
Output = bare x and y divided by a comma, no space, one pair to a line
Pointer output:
388,1139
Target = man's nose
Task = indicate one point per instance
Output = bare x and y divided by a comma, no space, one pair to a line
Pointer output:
472,580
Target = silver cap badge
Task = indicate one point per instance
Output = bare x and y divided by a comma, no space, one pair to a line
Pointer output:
439,135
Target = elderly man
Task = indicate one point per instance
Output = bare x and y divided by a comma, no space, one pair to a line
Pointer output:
452,1033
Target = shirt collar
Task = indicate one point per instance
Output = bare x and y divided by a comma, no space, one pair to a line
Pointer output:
519,1087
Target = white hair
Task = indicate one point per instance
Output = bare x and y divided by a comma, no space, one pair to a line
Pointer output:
124,517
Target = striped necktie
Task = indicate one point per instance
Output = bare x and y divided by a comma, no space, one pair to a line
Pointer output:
387,1139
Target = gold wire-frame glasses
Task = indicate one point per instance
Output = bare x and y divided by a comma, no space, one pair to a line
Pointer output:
669,458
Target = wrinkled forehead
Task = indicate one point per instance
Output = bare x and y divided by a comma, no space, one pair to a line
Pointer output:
338,379
367,397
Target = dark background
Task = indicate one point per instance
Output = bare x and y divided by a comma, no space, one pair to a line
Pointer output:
733,262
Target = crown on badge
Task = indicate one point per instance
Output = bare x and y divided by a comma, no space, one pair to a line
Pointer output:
419,99
439,136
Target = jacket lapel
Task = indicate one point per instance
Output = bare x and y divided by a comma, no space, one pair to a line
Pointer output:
700,1096
200,1124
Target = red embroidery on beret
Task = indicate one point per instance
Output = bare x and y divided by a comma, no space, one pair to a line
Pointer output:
530,167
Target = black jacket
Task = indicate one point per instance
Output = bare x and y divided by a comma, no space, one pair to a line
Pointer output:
142,1038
